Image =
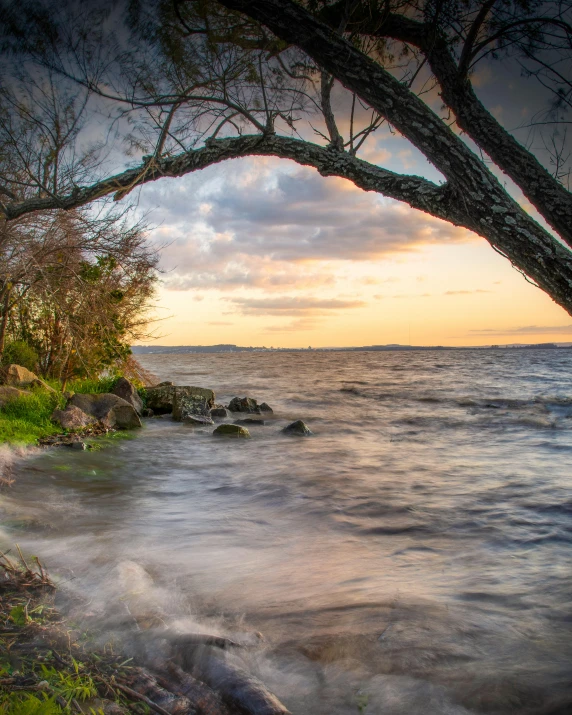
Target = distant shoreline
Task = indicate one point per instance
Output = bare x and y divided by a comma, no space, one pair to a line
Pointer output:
227,348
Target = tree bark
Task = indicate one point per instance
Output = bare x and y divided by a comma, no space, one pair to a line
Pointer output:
4,321
552,200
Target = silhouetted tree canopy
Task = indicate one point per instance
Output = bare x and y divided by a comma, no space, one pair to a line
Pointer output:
185,84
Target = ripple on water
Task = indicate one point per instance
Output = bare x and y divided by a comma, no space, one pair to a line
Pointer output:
415,551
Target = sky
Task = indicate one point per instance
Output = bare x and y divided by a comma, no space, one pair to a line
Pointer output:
263,252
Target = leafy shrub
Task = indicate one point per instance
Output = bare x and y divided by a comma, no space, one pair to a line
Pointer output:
20,353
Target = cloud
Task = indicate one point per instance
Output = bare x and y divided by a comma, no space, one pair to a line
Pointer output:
527,330
465,292
294,326
292,305
266,223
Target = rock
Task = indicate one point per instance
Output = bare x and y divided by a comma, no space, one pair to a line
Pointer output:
250,421
265,407
231,431
166,383
197,420
219,413
39,384
298,428
123,417
109,409
72,418
147,412
68,394
185,404
244,404
78,445
11,393
128,392
161,397
16,375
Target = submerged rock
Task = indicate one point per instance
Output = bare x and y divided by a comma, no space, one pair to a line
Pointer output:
72,418
108,408
219,413
250,421
197,420
161,398
231,431
265,407
128,392
298,428
244,404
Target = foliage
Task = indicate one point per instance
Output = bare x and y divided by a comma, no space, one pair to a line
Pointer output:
19,352
76,291
20,703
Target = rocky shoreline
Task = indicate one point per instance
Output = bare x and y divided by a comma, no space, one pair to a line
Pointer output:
125,406
195,673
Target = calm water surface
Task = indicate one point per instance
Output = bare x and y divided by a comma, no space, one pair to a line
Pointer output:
414,556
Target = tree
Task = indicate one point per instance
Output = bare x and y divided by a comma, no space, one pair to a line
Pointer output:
195,76
82,293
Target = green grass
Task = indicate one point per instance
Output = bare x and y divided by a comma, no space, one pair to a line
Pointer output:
26,419
103,384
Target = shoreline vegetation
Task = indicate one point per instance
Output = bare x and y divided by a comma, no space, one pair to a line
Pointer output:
47,665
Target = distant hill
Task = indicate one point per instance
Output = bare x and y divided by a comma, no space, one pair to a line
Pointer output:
229,348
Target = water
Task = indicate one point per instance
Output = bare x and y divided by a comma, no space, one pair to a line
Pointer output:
411,557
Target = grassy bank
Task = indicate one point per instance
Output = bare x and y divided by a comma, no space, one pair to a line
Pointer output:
45,669
26,419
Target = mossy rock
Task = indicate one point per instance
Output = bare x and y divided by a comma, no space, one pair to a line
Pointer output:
232,431
298,428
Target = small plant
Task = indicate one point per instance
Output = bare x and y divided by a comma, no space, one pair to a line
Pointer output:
362,702
20,353
70,686
29,704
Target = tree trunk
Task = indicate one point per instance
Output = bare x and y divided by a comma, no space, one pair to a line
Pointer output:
4,322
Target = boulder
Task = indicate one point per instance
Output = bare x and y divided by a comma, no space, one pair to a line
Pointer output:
72,418
11,393
128,392
244,404
265,407
231,431
107,408
193,404
197,420
298,428
16,375
123,417
161,397
218,413
147,412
